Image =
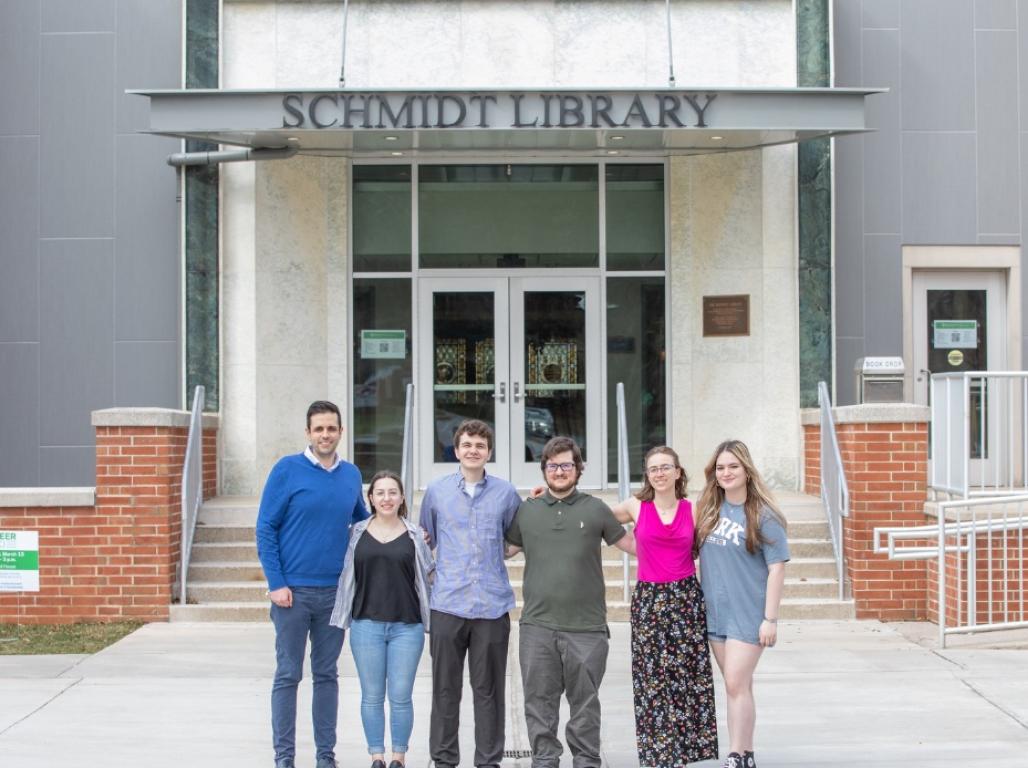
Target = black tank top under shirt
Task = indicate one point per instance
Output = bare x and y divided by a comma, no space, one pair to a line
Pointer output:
386,580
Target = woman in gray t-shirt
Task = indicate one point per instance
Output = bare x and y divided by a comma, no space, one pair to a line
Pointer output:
741,541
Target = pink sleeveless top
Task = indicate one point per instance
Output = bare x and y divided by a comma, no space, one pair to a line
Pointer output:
664,551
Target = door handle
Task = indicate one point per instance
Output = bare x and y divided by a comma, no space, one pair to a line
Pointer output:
502,394
922,373
517,392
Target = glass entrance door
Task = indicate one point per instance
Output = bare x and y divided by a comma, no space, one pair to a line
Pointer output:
959,325
521,353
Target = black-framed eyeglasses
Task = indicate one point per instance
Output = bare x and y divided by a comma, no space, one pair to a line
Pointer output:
567,466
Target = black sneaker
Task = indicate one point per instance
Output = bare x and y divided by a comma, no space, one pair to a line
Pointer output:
734,760
748,761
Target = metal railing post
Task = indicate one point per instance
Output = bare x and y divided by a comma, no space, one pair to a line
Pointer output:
192,487
624,476
835,493
407,449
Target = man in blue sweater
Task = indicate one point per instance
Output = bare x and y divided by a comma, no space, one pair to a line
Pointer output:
303,528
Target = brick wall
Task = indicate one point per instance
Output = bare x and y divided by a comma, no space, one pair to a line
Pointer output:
887,471
116,559
812,459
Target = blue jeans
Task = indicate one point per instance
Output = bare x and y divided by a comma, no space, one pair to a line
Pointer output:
309,615
386,654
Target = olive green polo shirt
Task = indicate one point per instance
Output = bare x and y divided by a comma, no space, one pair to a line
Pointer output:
563,584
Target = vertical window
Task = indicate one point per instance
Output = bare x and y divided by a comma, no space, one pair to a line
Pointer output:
381,371
636,354
381,218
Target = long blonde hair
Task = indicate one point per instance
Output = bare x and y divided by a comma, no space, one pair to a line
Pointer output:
758,498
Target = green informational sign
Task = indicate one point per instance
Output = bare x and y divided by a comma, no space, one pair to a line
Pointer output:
955,334
19,561
377,345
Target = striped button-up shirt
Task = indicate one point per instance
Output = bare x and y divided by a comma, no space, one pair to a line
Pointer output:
467,533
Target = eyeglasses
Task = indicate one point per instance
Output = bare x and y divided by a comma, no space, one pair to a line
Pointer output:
660,469
567,466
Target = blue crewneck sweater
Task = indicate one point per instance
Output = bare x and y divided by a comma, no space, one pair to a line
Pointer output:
303,525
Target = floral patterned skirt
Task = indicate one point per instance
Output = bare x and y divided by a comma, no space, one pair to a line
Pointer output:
672,682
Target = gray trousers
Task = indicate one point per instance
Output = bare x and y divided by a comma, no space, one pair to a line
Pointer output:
572,663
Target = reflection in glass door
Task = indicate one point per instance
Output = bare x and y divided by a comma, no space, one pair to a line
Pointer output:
521,355
554,340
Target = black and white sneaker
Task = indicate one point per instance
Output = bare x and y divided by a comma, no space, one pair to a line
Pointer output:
734,760
748,761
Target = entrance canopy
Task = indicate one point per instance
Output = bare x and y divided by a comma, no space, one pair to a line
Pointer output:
391,123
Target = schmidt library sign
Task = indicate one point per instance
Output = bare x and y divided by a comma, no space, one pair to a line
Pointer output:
355,111
262,117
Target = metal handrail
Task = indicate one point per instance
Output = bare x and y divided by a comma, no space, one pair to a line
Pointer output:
978,560
1001,433
835,491
192,486
407,451
624,475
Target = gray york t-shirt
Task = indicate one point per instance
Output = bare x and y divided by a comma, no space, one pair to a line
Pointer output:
734,581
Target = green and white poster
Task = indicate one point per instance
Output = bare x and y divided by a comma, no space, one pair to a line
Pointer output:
19,561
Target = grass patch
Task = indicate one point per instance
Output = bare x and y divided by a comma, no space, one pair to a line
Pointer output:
35,639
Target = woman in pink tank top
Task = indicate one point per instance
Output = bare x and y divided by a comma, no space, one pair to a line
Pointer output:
672,683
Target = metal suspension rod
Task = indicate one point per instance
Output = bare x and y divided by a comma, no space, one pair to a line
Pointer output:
342,66
670,53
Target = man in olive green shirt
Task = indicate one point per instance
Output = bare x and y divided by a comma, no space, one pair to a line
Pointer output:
564,636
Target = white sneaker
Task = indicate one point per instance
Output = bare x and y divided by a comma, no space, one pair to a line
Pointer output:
734,760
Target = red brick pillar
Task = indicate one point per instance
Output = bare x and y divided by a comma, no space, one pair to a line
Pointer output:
884,451
111,552
139,458
811,420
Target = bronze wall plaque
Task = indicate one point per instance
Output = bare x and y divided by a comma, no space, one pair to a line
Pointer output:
726,315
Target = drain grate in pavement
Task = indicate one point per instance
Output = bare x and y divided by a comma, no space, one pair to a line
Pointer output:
517,753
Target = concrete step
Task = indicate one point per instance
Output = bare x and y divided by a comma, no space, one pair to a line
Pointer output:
221,612
819,548
811,568
210,534
224,570
235,551
816,608
804,588
201,592
809,529
228,510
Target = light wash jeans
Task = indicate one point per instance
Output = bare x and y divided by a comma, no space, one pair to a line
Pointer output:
309,614
386,654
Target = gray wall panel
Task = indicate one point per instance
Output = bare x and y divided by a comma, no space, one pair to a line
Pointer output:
996,108
995,14
19,238
147,255
76,340
847,352
19,67
146,373
882,161
78,15
939,189
883,313
19,414
149,52
938,64
849,238
77,136
876,14
68,465
846,64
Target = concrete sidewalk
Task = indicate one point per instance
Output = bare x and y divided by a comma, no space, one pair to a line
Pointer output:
839,693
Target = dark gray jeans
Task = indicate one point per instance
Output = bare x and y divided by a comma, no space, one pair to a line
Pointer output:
572,663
